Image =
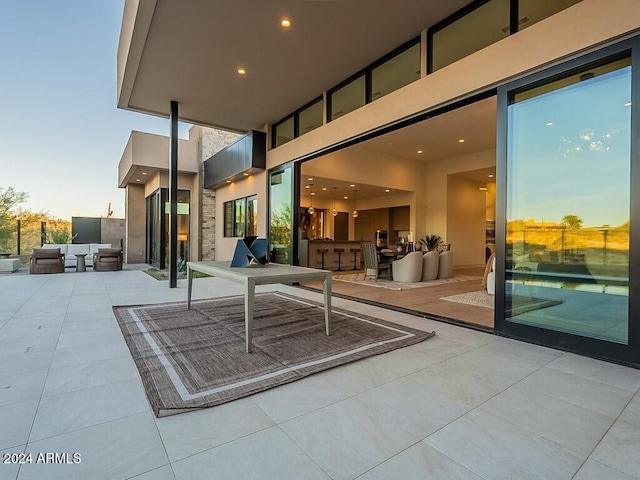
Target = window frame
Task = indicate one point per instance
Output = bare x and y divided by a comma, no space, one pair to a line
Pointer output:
229,216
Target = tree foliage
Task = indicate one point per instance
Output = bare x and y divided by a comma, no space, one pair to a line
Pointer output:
572,222
11,210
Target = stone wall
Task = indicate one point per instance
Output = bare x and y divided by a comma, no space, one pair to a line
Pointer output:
211,141
112,230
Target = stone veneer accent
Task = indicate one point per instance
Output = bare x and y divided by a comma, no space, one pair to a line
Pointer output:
211,141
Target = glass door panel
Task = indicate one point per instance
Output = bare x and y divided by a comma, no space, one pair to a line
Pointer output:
280,218
568,203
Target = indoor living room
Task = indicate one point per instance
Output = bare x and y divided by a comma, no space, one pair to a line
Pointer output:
432,178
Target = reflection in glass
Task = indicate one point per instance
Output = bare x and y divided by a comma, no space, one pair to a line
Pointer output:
281,221
483,26
568,197
348,98
310,118
252,216
284,132
239,217
396,72
532,11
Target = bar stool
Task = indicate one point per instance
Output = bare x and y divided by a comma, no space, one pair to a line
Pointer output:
355,252
322,251
339,251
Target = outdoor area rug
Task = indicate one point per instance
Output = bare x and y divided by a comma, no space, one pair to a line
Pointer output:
190,359
515,305
391,285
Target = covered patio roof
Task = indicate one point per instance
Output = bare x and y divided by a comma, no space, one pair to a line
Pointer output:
190,52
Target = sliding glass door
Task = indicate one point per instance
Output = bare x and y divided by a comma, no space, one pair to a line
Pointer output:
568,224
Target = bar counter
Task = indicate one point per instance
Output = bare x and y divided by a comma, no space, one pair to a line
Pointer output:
309,254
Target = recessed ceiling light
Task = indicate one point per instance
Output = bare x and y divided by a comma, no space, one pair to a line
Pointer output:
310,179
285,22
241,71
245,174
352,185
490,176
549,124
313,193
144,173
228,181
387,190
484,189
346,198
137,179
419,151
307,186
324,189
461,140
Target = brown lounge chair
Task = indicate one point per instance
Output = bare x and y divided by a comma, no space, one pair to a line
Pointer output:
47,260
107,260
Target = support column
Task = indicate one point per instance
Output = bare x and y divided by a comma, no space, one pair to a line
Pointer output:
173,197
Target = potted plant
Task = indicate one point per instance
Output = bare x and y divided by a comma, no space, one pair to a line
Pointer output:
431,242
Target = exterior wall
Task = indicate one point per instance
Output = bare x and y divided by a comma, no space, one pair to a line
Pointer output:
576,29
135,223
210,141
146,151
252,185
112,231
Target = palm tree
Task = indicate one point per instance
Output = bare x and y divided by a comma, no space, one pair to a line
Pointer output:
572,222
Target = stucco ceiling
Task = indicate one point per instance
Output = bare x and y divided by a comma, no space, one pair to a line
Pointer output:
192,49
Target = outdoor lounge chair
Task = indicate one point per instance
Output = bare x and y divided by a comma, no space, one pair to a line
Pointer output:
107,260
47,260
372,264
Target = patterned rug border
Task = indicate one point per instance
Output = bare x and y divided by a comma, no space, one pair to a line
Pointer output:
251,385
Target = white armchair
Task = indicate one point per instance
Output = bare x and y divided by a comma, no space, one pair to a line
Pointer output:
430,264
491,278
408,269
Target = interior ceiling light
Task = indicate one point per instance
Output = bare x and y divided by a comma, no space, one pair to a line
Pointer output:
228,181
144,173
549,124
285,22
245,174
490,175
419,151
137,179
241,71
352,186
461,140
324,189
628,104
355,204
310,179
334,212
484,189
346,198
307,186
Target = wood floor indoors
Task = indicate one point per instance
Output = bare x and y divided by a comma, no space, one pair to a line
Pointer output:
426,300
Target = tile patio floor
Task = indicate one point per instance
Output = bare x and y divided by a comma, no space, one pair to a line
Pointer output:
464,405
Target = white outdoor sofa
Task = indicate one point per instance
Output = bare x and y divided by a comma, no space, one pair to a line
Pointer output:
71,249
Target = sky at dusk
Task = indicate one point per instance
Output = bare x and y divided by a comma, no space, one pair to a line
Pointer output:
61,135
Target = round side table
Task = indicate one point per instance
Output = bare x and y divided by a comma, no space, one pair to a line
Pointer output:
81,266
